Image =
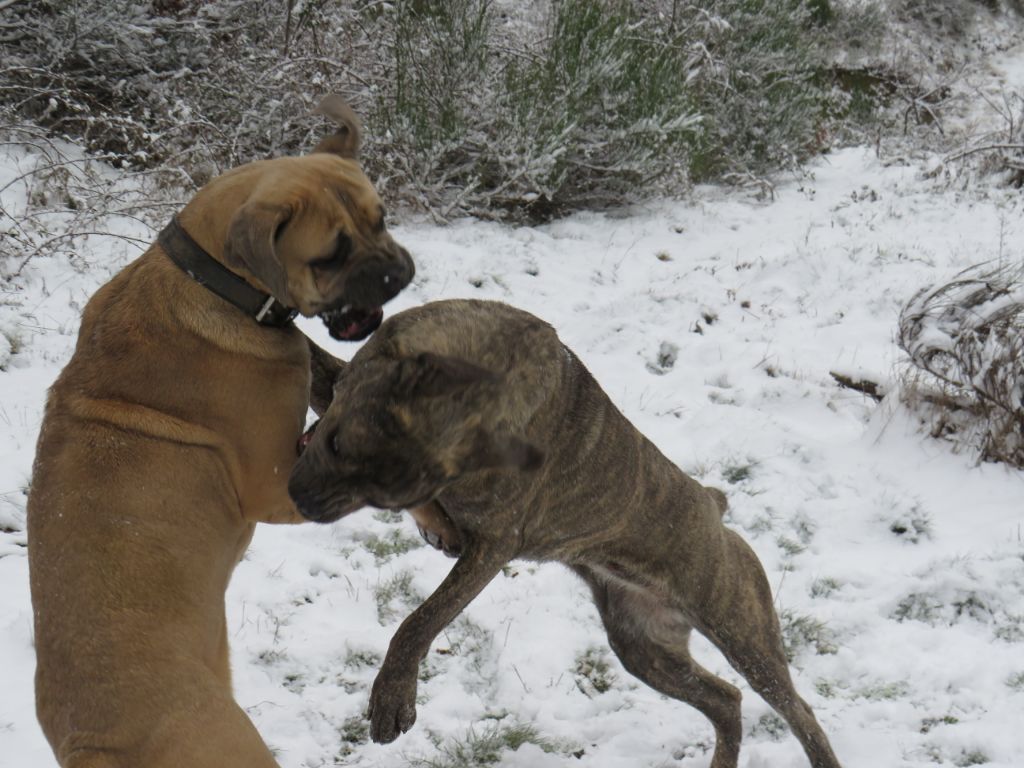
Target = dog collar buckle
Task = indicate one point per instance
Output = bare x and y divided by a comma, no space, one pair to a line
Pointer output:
274,313
264,309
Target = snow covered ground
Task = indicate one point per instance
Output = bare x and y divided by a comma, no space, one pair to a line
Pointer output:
713,323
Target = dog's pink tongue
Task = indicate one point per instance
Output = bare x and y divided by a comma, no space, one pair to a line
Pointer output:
363,326
306,439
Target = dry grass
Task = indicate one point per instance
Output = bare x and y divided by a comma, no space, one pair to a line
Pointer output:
965,339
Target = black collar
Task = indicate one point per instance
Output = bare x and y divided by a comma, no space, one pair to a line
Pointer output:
211,274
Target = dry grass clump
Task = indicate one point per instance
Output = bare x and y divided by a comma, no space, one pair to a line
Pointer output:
965,339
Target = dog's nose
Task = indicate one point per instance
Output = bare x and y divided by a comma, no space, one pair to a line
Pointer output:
405,259
396,277
400,269
376,281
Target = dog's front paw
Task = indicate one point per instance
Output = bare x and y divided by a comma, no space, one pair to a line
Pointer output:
392,706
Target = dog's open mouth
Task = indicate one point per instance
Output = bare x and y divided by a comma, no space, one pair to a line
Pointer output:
352,323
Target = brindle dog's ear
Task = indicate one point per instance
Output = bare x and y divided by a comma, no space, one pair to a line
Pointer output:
349,136
490,451
432,375
250,244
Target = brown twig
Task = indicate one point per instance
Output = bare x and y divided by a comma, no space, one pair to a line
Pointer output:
71,235
872,389
988,148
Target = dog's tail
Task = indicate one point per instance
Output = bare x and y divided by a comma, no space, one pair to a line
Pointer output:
719,498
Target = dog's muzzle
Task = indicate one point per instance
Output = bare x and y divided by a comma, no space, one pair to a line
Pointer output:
305,488
371,284
314,507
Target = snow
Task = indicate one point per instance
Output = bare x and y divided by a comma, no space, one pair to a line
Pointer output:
899,562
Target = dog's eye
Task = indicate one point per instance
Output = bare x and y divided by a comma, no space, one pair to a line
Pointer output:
342,250
386,422
333,443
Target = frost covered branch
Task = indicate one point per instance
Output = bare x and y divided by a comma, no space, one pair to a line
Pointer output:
61,196
966,339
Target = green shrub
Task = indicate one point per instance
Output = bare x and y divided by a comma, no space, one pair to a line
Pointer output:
609,101
603,110
583,103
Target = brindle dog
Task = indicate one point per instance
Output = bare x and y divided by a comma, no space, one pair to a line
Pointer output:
478,407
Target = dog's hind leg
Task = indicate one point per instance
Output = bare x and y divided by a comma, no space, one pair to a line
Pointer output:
740,619
214,734
651,640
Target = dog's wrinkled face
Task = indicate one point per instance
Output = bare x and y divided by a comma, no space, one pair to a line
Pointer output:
398,433
312,231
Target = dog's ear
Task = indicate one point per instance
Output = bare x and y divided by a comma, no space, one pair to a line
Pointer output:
251,244
349,136
493,451
432,375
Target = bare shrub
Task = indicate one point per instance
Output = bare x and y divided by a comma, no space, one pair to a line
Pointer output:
62,195
1000,151
965,340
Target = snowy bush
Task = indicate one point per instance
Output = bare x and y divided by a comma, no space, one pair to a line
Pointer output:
6,349
202,86
965,339
759,87
594,111
598,102
999,152
907,69
952,17
480,106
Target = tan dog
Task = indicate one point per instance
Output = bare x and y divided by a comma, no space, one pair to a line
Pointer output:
169,434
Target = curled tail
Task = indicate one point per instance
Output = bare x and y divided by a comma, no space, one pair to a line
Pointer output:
719,498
